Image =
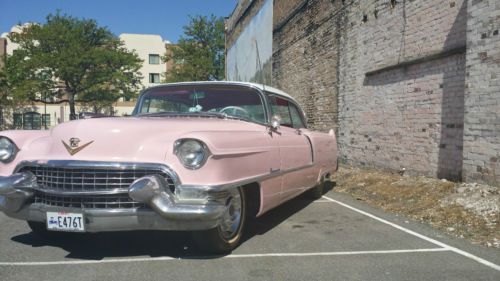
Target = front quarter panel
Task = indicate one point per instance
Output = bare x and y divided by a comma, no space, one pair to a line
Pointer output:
234,156
22,139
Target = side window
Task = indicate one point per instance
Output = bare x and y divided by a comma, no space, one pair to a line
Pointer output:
280,107
297,121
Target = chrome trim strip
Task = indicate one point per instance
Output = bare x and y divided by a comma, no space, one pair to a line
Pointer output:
259,178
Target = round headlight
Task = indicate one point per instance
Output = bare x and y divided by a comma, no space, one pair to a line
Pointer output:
192,153
7,150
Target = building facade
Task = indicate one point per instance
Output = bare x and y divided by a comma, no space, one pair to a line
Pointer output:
3,51
410,84
150,48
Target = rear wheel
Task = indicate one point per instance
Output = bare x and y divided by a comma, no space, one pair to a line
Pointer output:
317,191
227,235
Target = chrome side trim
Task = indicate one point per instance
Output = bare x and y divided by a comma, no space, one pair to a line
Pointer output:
208,188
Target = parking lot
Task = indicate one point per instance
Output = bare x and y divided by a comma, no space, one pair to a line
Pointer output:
334,238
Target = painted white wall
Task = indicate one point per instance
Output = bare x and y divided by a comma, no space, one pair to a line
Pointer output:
144,45
11,46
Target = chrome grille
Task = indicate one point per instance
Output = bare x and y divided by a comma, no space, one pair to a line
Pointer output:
89,187
117,201
90,179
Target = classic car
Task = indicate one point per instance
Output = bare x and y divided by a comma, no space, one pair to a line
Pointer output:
197,156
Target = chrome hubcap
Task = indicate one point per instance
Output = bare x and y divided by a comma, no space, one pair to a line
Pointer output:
232,217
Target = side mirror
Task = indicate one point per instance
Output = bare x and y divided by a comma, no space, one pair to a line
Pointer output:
275,123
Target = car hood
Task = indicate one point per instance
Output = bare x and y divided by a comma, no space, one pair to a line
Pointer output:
133,139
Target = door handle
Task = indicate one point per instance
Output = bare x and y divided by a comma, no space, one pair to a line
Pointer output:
298,132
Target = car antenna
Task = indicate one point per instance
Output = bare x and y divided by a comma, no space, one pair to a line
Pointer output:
259,64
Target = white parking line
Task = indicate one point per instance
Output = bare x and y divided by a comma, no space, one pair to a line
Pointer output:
411,232
318,254
322,201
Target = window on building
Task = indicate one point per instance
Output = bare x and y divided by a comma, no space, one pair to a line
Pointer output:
32,121
154,78
154,59
18,121
45,120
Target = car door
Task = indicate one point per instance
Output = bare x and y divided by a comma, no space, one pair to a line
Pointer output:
295,147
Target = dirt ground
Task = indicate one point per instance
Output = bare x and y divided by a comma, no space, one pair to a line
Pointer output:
466,210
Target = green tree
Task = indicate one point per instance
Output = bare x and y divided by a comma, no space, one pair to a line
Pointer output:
74,59
4,94
199,54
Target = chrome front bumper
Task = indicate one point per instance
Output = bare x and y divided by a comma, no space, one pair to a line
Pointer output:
194,208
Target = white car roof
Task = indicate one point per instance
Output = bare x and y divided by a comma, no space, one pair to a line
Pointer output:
259,86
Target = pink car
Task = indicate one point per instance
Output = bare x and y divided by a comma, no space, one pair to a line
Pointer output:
199,156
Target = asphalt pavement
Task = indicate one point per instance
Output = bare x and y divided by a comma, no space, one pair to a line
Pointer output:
333,238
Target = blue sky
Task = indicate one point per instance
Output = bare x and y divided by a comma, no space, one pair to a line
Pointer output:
165,18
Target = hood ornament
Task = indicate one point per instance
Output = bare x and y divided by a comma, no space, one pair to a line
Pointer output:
73,147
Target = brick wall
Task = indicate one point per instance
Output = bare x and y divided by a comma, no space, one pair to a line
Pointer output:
305,61
482,102
402,86
391,76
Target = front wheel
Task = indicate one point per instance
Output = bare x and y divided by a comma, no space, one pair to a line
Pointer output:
227,235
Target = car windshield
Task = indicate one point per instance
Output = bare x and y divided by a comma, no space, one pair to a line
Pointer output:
216,100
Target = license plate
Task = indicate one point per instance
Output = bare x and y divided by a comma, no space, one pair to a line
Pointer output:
62,221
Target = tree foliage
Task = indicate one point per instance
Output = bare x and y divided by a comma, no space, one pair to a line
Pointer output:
71,58
199,54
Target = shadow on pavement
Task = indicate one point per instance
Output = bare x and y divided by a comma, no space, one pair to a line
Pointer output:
177,244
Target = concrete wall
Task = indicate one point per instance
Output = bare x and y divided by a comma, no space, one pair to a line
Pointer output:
482,95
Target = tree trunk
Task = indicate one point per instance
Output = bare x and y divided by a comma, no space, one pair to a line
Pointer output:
1,118
72,111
